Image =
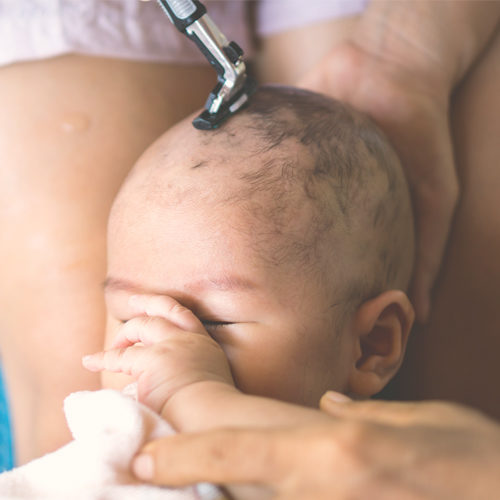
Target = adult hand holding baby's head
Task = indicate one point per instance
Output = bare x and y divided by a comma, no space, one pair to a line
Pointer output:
413,112
166,348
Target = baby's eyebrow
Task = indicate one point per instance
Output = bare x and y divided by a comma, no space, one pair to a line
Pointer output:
221,283
111,283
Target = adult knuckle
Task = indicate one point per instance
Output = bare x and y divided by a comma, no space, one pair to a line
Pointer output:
227,444
219,453
266,449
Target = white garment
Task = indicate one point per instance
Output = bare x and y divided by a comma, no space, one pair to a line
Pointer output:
139,30
275,16
109,428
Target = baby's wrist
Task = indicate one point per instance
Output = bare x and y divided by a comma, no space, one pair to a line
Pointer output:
190,408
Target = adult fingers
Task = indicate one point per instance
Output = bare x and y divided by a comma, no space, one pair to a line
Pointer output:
426,152
399,414
228,456
414,115
434,208
419,131
311,461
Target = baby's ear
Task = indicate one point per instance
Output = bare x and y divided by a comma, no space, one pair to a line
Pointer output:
380,327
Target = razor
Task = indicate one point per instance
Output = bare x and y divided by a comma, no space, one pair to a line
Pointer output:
234,87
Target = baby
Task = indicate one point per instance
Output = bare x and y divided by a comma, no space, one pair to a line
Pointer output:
266,260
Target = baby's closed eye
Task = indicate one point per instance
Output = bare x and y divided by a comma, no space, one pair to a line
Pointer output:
212,325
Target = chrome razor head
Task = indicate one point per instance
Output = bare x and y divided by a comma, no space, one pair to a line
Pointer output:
234,87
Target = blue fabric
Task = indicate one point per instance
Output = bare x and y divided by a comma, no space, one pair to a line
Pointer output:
6,441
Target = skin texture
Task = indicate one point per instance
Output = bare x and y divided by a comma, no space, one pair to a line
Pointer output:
454,355
453,451
401,70
367,450
277,61
172,235
85,120
45,400
71,128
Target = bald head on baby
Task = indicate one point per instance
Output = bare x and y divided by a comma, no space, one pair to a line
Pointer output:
282,230
308,184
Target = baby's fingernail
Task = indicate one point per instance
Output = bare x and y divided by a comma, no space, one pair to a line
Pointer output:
90,363
87,359
336,397
143,466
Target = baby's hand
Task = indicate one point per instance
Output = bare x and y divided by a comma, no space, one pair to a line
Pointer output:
165,348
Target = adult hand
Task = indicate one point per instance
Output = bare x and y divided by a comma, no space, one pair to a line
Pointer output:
375,450
413,112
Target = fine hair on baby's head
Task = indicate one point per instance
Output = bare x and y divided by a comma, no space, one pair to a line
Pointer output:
287,231
329,195
311,186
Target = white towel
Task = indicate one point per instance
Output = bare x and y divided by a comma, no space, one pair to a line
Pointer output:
109,428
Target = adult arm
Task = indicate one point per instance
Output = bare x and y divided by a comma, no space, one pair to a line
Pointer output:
400,65
66,144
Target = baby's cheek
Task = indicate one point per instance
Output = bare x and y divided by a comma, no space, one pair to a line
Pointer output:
260,367
240,353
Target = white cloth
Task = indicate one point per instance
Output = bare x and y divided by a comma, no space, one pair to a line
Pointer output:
108,428
139,30
128,29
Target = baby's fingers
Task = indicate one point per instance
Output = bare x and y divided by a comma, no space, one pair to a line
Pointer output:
156,315
130,361
168,308
146,329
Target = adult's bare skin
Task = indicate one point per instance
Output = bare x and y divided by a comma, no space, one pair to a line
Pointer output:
391,445
454,356
373,450
400,66
402,71
70,129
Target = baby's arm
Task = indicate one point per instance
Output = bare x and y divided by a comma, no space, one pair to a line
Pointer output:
184,375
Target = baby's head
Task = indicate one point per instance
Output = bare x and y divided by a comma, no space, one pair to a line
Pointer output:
288,232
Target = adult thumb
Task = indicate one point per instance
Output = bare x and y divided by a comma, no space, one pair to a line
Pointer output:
331,400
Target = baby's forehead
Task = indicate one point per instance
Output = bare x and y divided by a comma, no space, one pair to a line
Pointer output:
225,160
230,173
241,136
